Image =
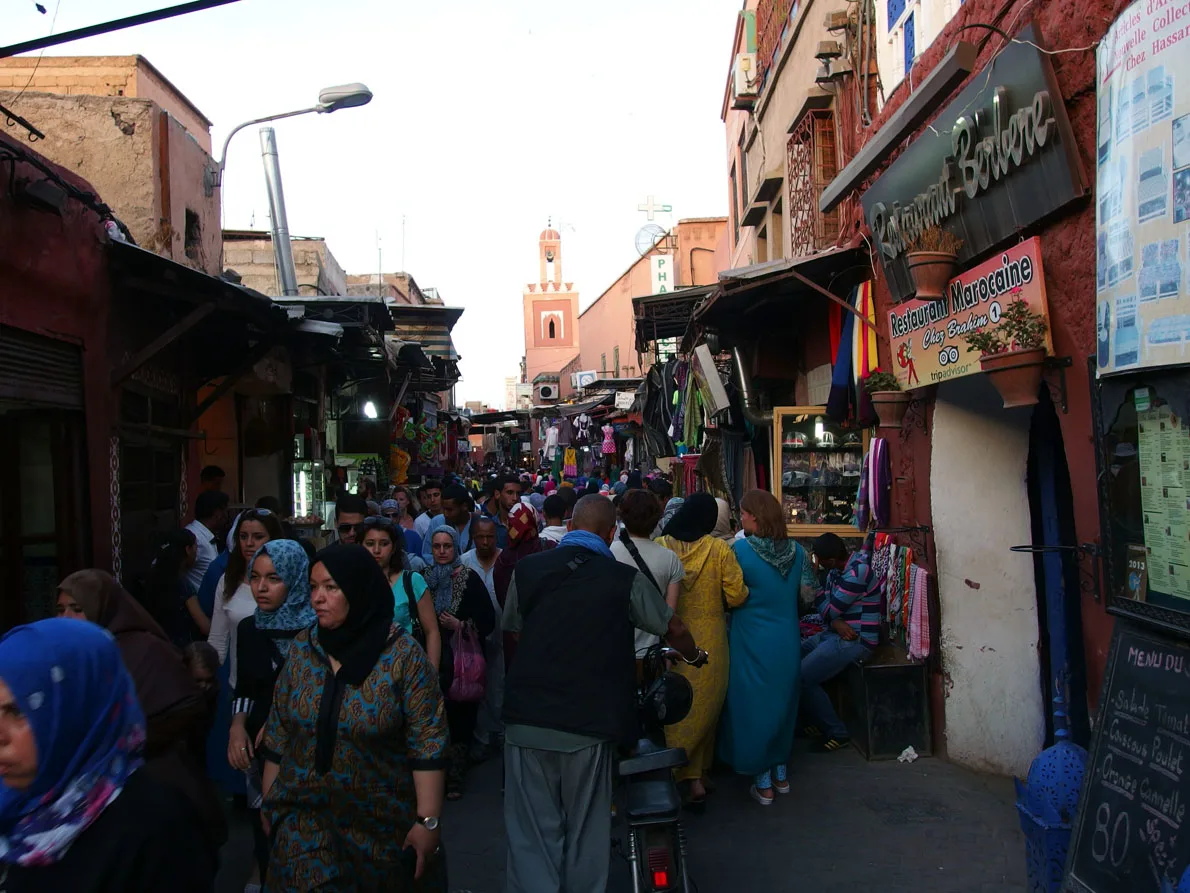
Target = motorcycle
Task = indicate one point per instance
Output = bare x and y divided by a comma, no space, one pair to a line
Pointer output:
649,800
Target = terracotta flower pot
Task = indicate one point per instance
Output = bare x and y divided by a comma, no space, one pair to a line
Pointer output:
890,407
931,270
1016,374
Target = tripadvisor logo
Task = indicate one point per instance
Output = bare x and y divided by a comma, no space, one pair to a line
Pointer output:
975,163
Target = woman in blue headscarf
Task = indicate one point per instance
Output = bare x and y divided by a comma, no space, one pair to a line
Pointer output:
77,810
461,600
279,577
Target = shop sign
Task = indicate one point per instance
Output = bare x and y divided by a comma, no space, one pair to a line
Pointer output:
625,399
664,276
1142,208
927,336
999,158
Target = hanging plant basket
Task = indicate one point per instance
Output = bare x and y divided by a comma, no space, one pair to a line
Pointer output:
890,407
931,270
1016,374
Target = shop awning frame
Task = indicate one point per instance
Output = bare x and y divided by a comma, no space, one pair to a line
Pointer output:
667,315
740,295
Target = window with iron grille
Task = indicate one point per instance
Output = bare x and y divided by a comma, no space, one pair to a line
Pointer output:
813,163
771,18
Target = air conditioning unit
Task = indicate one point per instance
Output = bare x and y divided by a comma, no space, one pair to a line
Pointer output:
745,81
547,392
585,379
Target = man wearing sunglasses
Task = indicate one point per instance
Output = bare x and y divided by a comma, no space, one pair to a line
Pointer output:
350,512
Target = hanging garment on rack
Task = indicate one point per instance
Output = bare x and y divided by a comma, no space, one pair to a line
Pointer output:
838,404
582,430
879,482
681,377
919,613
658,416
570,463
863,508
551,442
565,432
863,353
630,452
609,441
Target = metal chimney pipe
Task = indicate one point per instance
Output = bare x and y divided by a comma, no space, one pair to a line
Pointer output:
748,396
282,250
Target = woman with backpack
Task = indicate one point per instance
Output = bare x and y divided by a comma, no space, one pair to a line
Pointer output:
412,613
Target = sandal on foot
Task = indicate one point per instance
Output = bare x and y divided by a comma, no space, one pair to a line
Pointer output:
760,798
831,744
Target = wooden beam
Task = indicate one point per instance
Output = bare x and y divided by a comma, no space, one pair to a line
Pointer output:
161,342
230,381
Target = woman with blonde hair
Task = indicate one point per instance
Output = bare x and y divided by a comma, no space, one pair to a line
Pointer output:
760,714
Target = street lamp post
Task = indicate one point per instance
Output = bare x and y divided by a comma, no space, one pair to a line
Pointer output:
330,100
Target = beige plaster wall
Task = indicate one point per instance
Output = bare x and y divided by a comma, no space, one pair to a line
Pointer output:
133,77
317,268
109,141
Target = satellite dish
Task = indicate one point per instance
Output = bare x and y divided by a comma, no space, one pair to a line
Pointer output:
647,238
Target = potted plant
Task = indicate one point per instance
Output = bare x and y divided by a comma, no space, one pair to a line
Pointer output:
1013,353
889,401
932,258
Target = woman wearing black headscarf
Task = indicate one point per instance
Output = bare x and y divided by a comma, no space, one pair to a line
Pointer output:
341,799
712,579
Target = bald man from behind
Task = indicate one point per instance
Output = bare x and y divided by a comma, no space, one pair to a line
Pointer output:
569,699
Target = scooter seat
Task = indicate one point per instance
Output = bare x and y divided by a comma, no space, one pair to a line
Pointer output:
652,761
653,798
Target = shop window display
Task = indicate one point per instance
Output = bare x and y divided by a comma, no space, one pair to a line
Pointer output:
1145,489
818,470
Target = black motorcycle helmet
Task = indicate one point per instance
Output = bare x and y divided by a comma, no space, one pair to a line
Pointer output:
669,698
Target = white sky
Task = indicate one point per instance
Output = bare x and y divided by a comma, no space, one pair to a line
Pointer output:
488,118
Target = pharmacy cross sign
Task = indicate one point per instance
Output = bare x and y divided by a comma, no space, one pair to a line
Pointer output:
651,208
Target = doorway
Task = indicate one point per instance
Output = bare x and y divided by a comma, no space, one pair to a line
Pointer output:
44,518
1056,569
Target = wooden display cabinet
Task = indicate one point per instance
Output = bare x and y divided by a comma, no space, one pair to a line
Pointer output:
816,469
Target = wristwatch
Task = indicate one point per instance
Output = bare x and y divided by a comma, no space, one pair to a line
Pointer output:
430,823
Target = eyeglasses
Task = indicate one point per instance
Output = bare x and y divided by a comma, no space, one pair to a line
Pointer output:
391,515
346,528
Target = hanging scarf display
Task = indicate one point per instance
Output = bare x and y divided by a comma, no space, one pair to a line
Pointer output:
863,352
570,463
919,613
863,508
879,476
838,404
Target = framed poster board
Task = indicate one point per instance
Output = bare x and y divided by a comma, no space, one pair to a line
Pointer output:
1142,426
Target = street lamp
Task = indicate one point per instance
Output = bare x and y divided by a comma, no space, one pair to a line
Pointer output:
331,99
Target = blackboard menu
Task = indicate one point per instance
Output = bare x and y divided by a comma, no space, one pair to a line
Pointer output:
1130,834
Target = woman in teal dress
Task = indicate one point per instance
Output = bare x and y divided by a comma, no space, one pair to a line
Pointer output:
355,745
760,714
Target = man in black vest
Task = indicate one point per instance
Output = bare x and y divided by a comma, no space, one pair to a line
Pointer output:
570,698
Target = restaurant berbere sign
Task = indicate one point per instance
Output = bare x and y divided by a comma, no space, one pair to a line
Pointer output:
927,336
999,158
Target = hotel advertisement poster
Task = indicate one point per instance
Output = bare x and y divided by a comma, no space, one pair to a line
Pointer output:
1142,196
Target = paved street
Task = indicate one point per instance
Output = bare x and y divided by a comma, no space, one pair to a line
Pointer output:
848,826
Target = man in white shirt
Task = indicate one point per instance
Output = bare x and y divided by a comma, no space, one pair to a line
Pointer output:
210,517
482,559
554,512
430,496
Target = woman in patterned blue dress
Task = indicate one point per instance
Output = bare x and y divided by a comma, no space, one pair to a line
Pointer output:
355,745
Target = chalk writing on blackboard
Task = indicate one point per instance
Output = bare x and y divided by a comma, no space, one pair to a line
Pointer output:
1130,831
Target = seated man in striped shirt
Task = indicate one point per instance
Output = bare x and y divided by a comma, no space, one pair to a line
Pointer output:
849,603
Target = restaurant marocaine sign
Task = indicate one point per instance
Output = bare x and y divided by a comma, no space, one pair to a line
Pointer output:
998,159
927,336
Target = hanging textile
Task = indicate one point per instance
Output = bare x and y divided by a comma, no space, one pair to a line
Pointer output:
865,358
838,405
919,613
879,476
570,463
863,507
681,378
630,453
834,321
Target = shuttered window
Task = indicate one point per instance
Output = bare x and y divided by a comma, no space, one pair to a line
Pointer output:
40,370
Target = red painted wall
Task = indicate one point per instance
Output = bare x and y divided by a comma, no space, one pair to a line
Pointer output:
53,281
1068,258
